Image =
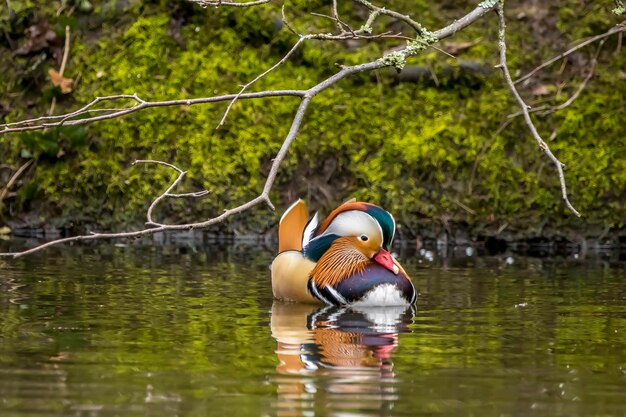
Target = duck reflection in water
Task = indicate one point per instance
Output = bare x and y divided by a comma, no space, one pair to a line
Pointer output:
336,359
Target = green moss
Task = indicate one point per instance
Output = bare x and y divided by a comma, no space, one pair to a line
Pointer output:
424,151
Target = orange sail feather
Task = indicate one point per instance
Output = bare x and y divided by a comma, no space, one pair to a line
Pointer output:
291,226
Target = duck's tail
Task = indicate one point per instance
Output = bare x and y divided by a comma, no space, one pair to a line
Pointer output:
291,226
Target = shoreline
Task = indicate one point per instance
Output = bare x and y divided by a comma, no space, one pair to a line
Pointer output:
535,246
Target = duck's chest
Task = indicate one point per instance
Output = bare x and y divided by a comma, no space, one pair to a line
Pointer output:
374,286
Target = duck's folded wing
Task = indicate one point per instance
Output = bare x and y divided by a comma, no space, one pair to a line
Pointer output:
290,273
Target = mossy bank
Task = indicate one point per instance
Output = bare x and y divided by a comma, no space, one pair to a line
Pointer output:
433,144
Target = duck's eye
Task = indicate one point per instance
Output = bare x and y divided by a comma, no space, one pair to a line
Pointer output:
364,238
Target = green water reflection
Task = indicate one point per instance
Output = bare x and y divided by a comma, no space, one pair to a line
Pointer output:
164,331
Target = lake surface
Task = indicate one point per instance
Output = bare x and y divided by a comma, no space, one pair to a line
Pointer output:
193,331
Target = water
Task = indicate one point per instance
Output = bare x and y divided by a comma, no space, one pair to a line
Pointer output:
193,331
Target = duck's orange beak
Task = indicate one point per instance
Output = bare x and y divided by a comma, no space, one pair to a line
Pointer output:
384,258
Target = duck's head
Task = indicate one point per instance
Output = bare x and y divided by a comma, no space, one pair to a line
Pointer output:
365,227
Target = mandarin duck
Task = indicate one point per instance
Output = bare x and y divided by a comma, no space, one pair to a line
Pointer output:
343,260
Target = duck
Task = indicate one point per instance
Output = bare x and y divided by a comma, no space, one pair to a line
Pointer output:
343,260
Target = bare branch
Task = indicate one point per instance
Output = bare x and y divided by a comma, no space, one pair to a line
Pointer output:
218,3
66,50
464,21
306,95
381,10
166,193
620,27
14,178
144,232
546,110
287,24
152,161
258,77
262,198
509,81
67,116
66,54
357,35
70,119
74,118
190,195
338,21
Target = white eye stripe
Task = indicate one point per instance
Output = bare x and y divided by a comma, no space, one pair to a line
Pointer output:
393,234
354,223
309,229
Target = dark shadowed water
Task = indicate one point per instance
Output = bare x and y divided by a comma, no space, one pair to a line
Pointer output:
193,331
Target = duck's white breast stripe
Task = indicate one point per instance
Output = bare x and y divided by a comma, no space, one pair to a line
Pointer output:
338,297
317,294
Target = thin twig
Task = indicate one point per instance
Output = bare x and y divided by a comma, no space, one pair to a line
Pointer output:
14,178
509,81
325,16
442,51
287,24
153,161
166,193
357,35
72,119
620,27
258,77
341,25
463,206
335,13
66,54
546,110
218,3
66,51
402,17
581,87
75,113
